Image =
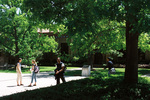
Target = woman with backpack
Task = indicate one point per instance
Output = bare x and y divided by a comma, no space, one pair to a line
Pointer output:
34,65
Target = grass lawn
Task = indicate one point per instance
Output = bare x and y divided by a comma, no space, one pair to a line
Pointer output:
27,70
97,87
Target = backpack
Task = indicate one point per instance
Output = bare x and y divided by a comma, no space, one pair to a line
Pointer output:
36,69
112,70
65,68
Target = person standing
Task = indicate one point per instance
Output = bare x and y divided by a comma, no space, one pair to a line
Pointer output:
19,73
59,71
34,64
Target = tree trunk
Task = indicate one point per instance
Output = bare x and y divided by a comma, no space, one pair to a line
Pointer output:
131,70
90,60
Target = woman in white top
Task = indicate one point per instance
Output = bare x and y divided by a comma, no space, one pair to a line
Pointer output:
19,73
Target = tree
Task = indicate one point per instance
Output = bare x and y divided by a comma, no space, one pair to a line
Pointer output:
144,42
82,17
136,16
108,39
19,35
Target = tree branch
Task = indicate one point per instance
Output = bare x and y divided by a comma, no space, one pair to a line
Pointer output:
7,46
111,29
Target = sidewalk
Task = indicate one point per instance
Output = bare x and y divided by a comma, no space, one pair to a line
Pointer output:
9,86
147,75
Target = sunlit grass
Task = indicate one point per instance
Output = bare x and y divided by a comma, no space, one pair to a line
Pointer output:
27,69
121,71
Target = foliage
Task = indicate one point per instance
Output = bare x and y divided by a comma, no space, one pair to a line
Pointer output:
104,41
88,29
19,35
144,42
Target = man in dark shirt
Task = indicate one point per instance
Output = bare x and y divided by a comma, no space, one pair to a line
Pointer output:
59,71
109,65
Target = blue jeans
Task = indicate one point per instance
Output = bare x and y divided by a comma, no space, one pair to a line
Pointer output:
33,76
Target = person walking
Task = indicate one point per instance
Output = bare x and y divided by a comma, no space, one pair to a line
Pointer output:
110,67
34,64
19,73
59,71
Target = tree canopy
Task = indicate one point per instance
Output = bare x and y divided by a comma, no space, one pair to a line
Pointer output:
87,19
82,18
18,34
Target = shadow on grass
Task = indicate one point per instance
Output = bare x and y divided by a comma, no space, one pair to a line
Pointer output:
143,71
98,87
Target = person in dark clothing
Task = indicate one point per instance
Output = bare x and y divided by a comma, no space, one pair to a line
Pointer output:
59,71
109,66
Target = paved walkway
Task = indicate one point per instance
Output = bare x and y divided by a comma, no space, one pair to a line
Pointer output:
8,82
147,75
